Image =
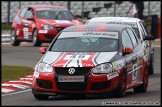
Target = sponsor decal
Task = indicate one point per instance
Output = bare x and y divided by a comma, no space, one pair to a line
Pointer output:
70,78
113,35
77,57
112,75
26,34
113,20
43,31
124,23
75,60
134,73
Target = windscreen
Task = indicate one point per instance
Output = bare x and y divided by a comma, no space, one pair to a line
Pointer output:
52,13
86,42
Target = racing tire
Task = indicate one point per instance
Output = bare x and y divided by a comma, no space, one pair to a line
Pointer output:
36,41
41,97
120,91
13,39
143,88
151,66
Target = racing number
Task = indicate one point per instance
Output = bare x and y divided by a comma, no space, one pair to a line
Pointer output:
134,74
26,35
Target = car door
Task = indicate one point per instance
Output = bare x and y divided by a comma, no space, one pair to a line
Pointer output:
138,56
19,22
130,61
27,24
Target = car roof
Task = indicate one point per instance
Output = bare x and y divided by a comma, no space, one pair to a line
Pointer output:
46,6
96,28
116,19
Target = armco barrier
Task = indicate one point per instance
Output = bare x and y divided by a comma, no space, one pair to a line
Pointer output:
5,38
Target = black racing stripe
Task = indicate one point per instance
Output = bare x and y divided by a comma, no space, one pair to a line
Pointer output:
58,57
96,58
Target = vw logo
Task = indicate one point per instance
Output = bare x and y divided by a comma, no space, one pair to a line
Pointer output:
71,70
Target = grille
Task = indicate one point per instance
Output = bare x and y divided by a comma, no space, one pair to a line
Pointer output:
100,85
44,84
72,86
49,36
78,71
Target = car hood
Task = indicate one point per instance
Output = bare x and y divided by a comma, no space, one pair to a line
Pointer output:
60,23
77,59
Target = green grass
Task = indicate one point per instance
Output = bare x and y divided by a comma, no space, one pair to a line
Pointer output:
5,26
15,72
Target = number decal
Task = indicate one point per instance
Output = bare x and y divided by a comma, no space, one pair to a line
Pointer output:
134,73
26,35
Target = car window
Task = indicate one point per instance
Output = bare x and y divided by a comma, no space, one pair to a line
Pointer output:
22,14
126,41
29,13
137,32
64,15
143,28
92,43
50,13
133,37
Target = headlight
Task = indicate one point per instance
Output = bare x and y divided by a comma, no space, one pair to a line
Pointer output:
43,67
48,27
103,69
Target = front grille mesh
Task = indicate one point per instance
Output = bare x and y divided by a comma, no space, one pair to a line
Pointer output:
78,71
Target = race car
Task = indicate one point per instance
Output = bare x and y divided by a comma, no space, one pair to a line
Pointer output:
139,29
40,23
91,59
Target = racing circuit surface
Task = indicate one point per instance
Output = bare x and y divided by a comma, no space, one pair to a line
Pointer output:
28,56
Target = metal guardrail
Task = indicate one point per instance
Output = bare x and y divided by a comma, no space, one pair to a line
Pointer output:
5,38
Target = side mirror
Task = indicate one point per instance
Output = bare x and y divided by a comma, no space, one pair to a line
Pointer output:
42,50
30,18
128,50
148,37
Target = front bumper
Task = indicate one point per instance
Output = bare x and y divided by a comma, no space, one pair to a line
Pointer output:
47,35
93,84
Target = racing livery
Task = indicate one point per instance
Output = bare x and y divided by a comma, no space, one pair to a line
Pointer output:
139,29
40,23
90,59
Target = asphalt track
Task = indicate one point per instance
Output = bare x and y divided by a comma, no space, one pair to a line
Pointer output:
28,56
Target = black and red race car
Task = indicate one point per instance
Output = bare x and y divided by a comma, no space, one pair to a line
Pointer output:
40,23
88,59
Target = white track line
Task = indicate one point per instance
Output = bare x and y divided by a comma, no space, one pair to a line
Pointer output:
16,92
27,82
5,90
15,85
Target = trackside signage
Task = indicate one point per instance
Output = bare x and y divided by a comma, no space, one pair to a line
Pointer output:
113,35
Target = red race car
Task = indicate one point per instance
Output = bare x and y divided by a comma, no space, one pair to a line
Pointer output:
90,59
38,23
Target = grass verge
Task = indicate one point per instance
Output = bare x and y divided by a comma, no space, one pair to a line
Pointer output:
5,26
15,72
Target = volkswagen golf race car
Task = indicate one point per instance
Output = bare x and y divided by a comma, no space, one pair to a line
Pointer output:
40,23
89,59
139,29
